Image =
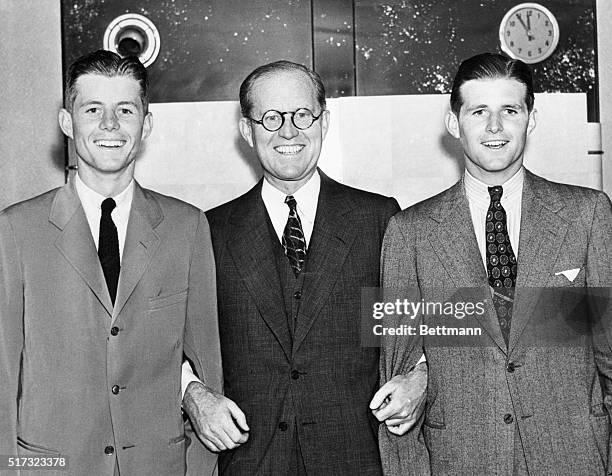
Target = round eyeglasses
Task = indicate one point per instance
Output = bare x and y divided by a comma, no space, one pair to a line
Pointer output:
273,120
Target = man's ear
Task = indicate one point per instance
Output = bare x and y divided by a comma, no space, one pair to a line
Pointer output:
452,124
147,126
532,121
324,123
245,130
65,122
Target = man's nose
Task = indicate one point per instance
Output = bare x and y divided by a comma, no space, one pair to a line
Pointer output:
494,124
288,130
109,121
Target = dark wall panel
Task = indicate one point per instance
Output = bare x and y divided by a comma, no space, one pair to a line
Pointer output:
360,47
411,47
207,47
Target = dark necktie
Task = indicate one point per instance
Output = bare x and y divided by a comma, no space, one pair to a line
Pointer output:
108,248
501,261
293,238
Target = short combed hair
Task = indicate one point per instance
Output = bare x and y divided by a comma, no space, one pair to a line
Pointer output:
109,64
491,66
246,103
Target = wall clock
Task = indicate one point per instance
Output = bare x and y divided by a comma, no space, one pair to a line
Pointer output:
529,32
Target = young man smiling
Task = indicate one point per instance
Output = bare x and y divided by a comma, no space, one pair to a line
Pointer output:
104,288
514,401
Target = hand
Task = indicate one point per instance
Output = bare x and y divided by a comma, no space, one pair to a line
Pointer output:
217,420
400,402
527,26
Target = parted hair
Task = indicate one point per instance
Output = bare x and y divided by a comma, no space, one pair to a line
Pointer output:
491,66
109,64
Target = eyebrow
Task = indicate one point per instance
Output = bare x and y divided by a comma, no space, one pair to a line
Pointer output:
95,102
486,106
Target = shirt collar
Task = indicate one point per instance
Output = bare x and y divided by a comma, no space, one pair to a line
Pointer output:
306,196
90,199
478,192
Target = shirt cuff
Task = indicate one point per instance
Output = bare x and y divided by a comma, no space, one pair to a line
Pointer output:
187,376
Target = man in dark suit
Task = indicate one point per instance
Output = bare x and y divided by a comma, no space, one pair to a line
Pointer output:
533,393
293,254
104,287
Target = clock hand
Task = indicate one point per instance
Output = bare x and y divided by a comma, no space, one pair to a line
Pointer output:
520,19
529,36
527,29
529,21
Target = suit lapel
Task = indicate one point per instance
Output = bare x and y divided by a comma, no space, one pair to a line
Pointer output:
332,237
141,242
454,243
250,246
543,231
76,243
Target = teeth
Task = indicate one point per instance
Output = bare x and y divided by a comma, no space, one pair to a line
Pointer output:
495,143
109,143
288,149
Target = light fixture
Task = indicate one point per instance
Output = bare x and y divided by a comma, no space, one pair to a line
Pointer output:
133,34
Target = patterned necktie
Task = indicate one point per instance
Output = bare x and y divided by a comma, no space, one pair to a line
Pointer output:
293,238
108,248
501,261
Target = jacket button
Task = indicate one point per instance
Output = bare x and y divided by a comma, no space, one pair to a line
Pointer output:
283,426
114,331
510,367
508,418
295,374
109,450
297,295
115,389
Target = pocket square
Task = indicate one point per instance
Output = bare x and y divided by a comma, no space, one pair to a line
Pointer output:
570,274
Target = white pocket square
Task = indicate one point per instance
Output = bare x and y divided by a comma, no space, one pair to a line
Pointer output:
570,274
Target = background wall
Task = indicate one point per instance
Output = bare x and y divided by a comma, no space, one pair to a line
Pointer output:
31,145
32,149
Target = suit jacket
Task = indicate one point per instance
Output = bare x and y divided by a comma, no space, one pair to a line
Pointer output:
544,401
319,380
80,377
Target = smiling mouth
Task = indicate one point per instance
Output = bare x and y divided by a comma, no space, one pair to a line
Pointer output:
495,144
113,144
289,149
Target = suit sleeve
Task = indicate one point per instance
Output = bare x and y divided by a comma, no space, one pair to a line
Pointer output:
201,341
599,279
11,335
406,454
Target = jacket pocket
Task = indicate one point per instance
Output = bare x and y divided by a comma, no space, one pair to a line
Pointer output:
24,448
160,302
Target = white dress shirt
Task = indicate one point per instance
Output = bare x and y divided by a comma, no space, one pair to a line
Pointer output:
479,200
91,202
306,197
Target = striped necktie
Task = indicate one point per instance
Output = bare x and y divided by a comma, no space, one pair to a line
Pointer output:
293,238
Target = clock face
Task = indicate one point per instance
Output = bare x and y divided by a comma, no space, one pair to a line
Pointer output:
529,32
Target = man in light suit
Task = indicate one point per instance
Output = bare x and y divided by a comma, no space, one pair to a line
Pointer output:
293,254
104,287
533,393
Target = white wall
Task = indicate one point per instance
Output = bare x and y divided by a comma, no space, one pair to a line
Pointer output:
31,145
394,145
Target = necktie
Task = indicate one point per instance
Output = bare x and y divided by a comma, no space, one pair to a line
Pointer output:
108,248
501,261
293,238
